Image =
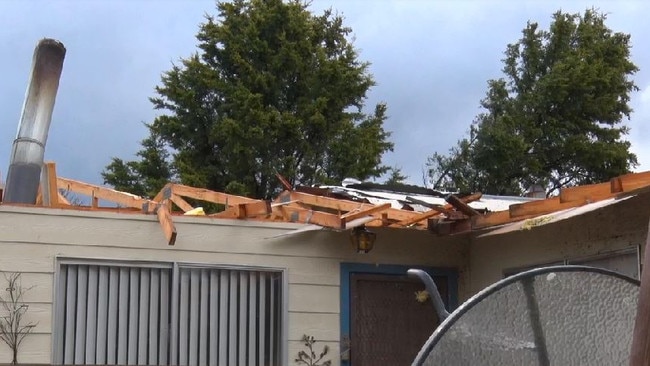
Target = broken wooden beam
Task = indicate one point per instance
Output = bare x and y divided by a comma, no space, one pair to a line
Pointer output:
49,188
370,211
246,210
203,194
346,206
121,198
293,213
461,206
166,222
181,203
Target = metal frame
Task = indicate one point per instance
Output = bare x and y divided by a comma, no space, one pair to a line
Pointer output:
174,266
469,304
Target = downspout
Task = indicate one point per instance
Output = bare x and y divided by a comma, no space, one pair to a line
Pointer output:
28,149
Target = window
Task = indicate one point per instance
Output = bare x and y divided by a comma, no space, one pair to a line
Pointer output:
167,314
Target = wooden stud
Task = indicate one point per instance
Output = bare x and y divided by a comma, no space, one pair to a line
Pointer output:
49,188
166,222
467,199
181,203
353,215
207,195
91,190
461,206
346,206
285,183
293,213
632,181
246,210
542,207
421,217
590,192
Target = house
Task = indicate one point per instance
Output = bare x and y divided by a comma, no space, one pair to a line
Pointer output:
145,284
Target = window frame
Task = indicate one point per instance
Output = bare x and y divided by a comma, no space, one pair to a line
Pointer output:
174,266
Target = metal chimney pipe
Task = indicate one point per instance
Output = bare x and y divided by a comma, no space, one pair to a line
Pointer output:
28,148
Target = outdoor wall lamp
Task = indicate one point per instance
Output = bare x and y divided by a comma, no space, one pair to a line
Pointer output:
363,240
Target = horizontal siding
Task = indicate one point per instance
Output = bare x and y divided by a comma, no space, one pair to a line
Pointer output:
333,355
314,298
312,261
317,325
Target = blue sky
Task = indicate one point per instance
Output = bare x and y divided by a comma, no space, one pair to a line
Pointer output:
431,61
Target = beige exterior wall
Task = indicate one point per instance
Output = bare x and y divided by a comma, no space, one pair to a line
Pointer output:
31,239
610,229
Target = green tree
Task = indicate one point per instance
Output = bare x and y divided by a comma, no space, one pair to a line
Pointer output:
395,176
554,118
272,88
144,177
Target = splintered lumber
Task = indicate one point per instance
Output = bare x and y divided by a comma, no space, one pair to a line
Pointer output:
353,215
420,217
108,194
285,183
166,222
49,189
181,203
245,210
347,206
461,206
293,213
207,195
467,199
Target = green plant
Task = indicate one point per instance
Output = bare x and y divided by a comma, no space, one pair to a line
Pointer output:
13,329
309,357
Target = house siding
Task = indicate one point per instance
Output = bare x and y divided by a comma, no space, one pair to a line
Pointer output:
607,230
31,239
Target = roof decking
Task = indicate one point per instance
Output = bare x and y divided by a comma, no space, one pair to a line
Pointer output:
339,208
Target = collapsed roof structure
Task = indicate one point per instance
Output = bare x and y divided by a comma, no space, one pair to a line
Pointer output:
343,207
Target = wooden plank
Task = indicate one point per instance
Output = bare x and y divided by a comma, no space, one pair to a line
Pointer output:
591,192
467,199
345,206
181,203
293,213
49,188
542,207
420,217
461,206
209,196
353,215
630,182
491,219
285,183
166,222
161,195
108,194
246,210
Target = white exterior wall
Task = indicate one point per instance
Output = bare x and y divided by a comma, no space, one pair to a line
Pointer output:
32,238
607,230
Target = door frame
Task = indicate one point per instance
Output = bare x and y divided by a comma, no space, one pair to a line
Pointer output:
347,269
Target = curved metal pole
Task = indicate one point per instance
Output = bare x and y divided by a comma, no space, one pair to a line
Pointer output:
432,289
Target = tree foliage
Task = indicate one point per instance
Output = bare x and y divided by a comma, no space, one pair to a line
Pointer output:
554,118
273,88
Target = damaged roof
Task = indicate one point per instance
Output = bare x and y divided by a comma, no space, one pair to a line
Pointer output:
344,207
